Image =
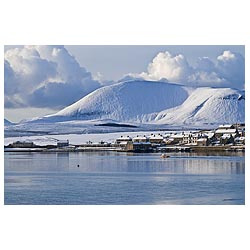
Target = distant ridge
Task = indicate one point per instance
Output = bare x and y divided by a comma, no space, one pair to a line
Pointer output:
7,122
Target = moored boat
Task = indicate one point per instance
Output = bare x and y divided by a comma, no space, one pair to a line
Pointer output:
165,156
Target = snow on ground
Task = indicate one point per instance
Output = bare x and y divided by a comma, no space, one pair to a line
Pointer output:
85,127
79,138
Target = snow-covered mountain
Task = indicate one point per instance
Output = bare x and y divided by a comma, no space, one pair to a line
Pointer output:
156,102
164,103
133,101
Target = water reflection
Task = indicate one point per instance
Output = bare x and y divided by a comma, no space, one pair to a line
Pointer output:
178,163
62,160
121,178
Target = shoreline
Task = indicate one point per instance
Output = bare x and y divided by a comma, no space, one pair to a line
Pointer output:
117,149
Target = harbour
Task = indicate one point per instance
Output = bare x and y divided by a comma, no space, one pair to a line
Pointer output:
122,178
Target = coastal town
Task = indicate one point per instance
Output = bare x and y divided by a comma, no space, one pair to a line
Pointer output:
230,137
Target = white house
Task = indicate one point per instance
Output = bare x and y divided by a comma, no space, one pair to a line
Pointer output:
156,138
123,139
190,138
141,139
227,130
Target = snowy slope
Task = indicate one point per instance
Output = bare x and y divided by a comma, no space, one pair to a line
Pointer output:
207,106
133,101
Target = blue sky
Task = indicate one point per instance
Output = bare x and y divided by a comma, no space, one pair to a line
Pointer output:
115,61
43,79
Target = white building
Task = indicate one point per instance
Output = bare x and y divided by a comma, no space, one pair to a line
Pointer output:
190,138
123,139
156,138
141,138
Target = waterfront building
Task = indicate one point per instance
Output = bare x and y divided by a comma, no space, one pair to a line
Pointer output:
22,144
157,139
203,141
138,146
175,139
226,139
61,144
141,139
190,138
123,140
226,130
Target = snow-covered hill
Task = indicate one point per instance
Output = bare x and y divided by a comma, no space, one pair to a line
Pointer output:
145,105
133,101
207,106
158,103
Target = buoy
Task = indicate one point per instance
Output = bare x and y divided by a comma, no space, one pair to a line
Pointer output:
78,165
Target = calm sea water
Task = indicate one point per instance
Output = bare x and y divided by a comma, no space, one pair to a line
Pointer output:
123,178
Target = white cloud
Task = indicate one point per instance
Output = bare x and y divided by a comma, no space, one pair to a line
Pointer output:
227,71
231,66
44,76
173,68
48,76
